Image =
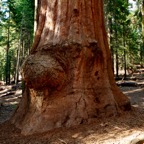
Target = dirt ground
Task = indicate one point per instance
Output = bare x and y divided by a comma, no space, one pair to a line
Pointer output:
127,128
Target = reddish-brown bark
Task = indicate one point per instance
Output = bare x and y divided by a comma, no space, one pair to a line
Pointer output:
68,76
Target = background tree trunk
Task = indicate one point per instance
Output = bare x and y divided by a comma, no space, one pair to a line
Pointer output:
18,58
142,47
68,75
7,56
35,15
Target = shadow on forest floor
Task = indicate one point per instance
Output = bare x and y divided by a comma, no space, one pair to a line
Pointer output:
136,95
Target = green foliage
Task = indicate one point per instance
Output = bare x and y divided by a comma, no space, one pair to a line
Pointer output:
125,31
16,33
22,13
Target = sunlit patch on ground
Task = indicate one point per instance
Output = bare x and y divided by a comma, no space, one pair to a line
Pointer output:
9,100
136,95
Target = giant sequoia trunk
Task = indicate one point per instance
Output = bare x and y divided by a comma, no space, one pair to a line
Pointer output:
68,75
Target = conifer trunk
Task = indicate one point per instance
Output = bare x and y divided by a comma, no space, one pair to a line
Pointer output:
142,49
68,75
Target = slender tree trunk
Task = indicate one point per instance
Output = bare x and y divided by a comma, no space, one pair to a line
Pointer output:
18,58
68,75
7,67
125,64
111,41
35,16
29,43
143,19
7,57
142,47
117,56
23,49
17,66
125,60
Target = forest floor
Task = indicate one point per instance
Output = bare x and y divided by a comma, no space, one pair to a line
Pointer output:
127,128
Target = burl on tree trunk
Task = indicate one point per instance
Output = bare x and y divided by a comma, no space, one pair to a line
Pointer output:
68,75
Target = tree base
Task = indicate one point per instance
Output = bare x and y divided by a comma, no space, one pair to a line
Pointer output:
47,113
67,91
